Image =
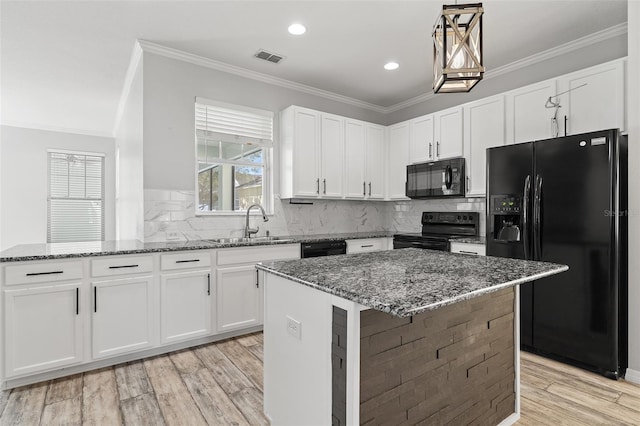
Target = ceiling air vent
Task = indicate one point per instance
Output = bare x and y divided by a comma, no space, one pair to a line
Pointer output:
268,56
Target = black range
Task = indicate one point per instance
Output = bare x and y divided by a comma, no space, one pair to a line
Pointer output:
438,228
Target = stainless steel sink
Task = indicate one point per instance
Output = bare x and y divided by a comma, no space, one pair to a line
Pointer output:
244,240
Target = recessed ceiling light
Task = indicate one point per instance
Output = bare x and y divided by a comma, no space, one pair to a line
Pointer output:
390,66
297,29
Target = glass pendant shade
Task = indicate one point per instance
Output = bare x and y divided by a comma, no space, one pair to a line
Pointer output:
457,48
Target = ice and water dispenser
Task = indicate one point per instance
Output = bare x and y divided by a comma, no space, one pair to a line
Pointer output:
506,218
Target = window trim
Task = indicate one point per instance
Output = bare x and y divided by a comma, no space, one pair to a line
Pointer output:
267,176
103,199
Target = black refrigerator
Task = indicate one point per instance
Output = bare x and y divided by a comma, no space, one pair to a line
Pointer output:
564,200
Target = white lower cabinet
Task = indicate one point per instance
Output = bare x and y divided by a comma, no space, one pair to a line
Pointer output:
185,305
122,316
43,328
239,297
468,248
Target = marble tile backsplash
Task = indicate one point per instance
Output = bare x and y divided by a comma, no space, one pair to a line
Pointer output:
170,215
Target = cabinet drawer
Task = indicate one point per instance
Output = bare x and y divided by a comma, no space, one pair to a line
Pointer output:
40,272
366,245
244,255
468,248
121,265
185,260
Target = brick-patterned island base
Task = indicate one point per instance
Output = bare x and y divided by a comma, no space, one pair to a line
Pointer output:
453,365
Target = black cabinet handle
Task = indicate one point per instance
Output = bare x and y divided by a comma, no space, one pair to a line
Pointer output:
95,299
33,274
438,149
324,182
565,125
77,301
369,189
430,145
187,261
468,252
257,279
208,284
123,266
366,245
364,188
318,186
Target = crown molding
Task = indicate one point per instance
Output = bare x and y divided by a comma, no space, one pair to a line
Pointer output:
180,55
59,129
615,31
134,62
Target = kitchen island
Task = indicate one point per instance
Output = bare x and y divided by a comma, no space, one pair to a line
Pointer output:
395,337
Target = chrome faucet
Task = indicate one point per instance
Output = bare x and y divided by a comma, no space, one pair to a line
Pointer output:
248,232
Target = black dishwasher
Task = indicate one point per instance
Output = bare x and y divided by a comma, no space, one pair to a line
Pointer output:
323,248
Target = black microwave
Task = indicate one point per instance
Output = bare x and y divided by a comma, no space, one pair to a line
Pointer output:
436,179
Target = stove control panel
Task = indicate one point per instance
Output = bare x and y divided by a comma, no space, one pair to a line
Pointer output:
450,218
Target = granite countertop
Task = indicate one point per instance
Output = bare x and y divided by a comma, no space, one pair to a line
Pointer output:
25,252
410,281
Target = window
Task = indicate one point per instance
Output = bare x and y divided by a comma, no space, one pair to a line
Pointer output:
234,148
76,197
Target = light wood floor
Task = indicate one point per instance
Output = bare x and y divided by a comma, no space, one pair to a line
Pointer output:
221,384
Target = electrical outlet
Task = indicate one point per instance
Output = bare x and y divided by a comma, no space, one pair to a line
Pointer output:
173,235
294,328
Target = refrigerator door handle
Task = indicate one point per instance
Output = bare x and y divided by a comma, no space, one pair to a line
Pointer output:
537,237
525,216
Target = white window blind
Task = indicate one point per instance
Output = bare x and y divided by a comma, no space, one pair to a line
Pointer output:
76,197
233,120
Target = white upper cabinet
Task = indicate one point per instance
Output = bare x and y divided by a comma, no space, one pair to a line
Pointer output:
311,153
299,150
597,105
374,170
398,160
354,147
527,117
483,128
448,133
332,155
421,146
364,160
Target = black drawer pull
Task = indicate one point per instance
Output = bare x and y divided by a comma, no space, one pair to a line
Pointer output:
367,245
77,301
33,274
188,261
95,299
468,252
123,266
257,278
208,284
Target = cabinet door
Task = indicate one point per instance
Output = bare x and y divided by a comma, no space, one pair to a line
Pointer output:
597,105
398,160
354,144
375,149
122,316
43,328
527,117
239,298
306,153
185,304
448,133
421,139
483,128
332,147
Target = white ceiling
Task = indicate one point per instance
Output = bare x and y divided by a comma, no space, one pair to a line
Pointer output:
63,64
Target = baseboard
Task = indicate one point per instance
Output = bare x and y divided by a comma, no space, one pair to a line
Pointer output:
632,376
512,419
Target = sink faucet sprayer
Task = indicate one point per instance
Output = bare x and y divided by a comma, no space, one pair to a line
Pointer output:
248,232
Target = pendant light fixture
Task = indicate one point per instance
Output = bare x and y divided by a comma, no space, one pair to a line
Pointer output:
457,48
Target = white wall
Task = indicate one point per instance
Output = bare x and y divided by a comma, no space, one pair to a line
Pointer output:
23,194
170,89
633,92
129,166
